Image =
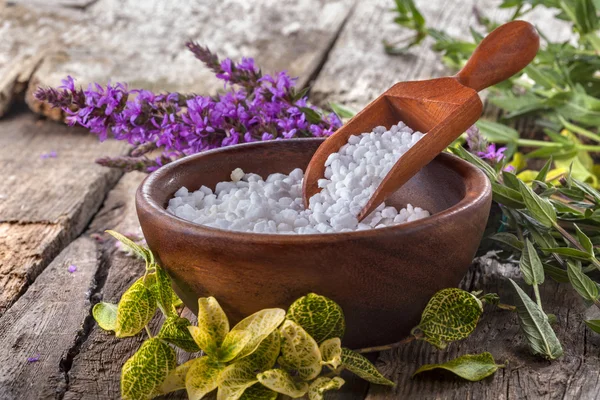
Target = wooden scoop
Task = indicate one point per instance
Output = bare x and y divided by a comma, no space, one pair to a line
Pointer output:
443,108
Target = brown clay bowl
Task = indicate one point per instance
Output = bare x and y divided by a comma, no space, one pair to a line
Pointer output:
382,278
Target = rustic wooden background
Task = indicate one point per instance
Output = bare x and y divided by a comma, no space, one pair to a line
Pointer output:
53,212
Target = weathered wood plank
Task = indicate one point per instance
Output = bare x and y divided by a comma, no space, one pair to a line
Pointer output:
47,322
142,42
45,203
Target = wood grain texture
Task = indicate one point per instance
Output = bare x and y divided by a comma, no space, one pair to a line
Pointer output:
142,43
47,322
574,376
45,203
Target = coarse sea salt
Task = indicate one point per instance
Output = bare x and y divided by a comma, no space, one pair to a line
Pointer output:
248,203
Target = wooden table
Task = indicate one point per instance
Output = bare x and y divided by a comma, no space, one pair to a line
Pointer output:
53,211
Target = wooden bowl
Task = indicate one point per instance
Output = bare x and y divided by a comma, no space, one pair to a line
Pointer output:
382,278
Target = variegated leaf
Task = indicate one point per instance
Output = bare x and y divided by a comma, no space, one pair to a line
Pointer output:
136,308
147,369
321,317
361,366
331,352
323,384
163,291
280,381
175,331
300,351
202,377
213,325
105,315
245,337
175,380
140,251
259,392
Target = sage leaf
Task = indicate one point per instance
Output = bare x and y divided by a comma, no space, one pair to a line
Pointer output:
175,331
569,252
259,392
531,266
323,384
136,308
300,351
473,159
511,181
508,239
593,324
342,111
584,241
507,196
321,317
245,337
175,380
582,283
540,208
213,325
105,315
556,273
331,352
202,377
237,377
363,368
280,381
451,314
163,291
534,323
147,369
541,176
472,367
139,251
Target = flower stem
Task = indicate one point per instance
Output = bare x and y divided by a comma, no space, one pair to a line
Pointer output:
575,243
538,299
389,346
148,332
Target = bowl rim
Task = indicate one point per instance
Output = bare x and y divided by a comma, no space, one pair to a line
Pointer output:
480,192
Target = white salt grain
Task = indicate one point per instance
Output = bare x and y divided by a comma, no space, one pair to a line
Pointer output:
250,204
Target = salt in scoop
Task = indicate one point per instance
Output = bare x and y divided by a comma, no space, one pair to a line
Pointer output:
443,108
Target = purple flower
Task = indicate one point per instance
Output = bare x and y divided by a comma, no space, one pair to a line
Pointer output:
72,268
475,140
509,168
495,156
51,154
33,359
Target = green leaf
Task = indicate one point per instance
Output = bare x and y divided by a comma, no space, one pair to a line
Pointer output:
497,132
202,377
508,239
540,208
363,368
245,337
507,196
534,323
331,352
213,325
511,181
140,251
175,380
531,265
541,176
323,384
175,331
312,116
280,381
136,308
259,392
147,369
472,367
300,351
451,314
568,252
478,162
342,111
105,315
321,317
556,273
585,241
163,291
239,376
593,324
582,283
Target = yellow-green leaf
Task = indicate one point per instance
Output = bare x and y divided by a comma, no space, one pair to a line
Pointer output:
202,377
451,314
321,317
331,352
361,366
300,351
147,369
163,291
259,392
280,381
245,337
136,308
140,251
472,367
239,376
323,384
213,325
175,380
175,331
105,315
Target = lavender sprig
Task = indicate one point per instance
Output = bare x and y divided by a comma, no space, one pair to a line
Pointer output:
262,107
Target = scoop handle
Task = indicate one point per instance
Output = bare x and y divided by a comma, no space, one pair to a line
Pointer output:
504,52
